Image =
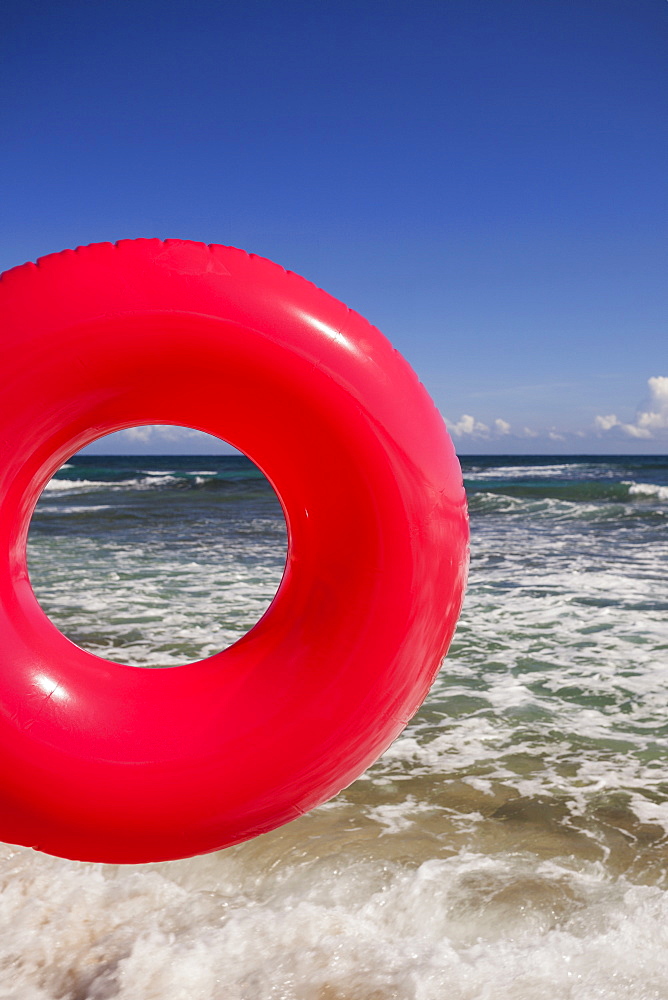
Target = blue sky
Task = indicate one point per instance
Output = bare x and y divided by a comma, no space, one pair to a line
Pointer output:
484,180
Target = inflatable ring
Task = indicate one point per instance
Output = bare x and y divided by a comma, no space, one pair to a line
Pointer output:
107,762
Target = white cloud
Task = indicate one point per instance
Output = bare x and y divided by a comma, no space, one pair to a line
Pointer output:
137,434
470,426
656,418
651,420
159,439
611,421
158,433
606,423
650,424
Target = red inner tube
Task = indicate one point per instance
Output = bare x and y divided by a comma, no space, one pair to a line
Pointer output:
106,762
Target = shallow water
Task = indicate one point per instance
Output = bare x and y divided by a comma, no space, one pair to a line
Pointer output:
512,843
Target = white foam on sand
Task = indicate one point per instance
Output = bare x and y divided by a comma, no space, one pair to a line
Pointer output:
218,928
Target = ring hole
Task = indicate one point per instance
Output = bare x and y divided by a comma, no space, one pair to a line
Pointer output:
155,559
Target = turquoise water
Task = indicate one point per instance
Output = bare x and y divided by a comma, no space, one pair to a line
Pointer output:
512,843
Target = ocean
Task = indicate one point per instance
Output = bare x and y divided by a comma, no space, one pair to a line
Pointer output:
512,844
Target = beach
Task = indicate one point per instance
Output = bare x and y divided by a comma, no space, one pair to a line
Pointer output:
510,845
